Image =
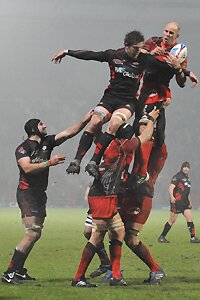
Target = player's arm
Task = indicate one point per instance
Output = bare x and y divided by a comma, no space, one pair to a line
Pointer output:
34,168
73,130
171,191
147,130
192,76
101,56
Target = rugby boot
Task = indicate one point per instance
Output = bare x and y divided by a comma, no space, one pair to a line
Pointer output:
117,282
195,240
92,169
107,276
23,275
83,283
74,167
100,270
155,277
162,239
10,278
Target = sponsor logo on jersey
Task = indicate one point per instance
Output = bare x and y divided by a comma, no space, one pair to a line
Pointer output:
126,73
44,148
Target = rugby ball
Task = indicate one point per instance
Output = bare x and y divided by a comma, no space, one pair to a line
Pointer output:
180,51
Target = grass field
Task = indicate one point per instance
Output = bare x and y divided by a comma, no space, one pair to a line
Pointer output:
55,258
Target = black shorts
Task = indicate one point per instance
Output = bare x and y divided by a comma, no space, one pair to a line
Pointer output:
179,207
32,203
112,103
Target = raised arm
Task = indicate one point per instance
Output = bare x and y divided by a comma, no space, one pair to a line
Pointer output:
101,56
73,130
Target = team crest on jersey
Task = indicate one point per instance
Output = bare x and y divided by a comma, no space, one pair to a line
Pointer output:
22,150
44,148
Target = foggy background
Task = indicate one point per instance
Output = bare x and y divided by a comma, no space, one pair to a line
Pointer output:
31,31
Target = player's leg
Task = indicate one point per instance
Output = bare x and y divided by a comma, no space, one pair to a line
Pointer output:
119,117
101,251
172,219
99,230
188,215
100,116
33,211
117,232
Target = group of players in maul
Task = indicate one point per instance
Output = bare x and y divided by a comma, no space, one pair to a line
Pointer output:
120,197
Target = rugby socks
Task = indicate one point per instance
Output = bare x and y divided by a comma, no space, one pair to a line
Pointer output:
143,253
115,257
17,261
84,145
103,142
87,256
157,161
101,251
191,229
103,256
166,229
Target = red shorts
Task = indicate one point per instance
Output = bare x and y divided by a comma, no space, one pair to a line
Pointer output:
158,97
103,207
128,206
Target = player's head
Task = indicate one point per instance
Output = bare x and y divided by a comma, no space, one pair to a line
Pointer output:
133,42
35,127
185,167
171,33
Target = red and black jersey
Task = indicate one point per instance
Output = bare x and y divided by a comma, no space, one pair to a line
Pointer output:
156,77
125,73
182,187
117,159
37,153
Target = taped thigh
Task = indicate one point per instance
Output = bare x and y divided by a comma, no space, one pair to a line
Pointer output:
115,225
99,114
120,116
101,228
33,227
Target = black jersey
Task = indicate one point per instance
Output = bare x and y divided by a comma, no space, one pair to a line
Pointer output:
156,77
182,187
125,73
37,153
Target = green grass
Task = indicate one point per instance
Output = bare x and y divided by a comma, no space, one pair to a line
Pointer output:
55,258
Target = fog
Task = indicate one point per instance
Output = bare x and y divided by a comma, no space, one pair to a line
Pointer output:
32,31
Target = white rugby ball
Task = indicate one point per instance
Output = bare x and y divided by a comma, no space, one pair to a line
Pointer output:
180,51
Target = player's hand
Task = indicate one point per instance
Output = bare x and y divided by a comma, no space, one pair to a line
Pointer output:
157,51
172,200
88,116
154,113
194,79
56,59
57,159
173,61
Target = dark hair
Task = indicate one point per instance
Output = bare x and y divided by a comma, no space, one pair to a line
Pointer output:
185,164
31,127
133,37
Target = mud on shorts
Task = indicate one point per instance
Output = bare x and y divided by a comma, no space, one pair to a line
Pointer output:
32,203
103,207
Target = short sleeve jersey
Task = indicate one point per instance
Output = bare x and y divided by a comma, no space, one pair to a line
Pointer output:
37,153
182,187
